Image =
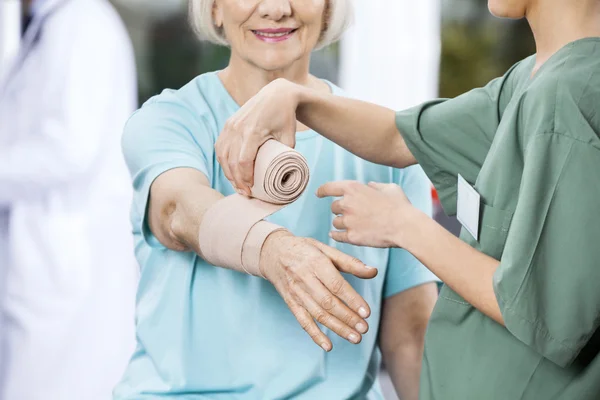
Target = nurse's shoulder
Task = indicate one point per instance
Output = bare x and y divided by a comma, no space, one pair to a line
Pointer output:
563,96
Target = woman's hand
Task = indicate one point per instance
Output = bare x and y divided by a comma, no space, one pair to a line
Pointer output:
270,114
371,215
306,273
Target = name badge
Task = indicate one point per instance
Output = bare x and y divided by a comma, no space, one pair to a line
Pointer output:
468,206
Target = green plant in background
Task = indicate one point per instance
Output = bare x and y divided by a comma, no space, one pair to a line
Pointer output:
465,58
176,56
473,53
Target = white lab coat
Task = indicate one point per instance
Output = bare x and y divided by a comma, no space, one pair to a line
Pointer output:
66,247
10,30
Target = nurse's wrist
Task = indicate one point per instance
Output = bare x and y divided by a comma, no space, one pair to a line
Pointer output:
292,91
407,226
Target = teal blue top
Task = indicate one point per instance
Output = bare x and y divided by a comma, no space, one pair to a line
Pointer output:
205,332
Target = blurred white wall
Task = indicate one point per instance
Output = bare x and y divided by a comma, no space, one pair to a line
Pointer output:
391,54
10,31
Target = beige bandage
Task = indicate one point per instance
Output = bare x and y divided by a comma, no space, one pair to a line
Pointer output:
232,231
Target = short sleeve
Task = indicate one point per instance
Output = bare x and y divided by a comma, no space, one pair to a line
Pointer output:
404,271
161,136
451,137
547,281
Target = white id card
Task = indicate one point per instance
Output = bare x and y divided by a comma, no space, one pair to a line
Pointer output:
468,206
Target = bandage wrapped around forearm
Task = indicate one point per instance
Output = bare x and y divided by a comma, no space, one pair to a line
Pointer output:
232,231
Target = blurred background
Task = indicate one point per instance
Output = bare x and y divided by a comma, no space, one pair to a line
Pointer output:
399,58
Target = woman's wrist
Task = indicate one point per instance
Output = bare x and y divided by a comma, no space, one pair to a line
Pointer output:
270,250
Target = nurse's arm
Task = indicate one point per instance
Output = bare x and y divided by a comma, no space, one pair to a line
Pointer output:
365,129
464,269
306,273
402,334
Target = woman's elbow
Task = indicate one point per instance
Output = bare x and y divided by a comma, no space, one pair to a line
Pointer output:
166,223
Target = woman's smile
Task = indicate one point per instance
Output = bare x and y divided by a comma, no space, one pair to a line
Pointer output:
274,35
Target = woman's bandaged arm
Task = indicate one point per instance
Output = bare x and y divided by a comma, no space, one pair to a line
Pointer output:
179,200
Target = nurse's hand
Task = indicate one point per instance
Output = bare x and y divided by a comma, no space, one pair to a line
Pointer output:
270,114
372,215
306,273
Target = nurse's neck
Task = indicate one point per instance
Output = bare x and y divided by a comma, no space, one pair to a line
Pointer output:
556,23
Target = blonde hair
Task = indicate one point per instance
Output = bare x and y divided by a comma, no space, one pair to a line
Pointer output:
338,16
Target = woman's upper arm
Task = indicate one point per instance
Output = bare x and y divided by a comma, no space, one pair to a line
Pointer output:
405,316
164,136
178,199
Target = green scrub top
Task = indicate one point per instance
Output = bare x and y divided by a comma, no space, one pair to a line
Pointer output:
531,148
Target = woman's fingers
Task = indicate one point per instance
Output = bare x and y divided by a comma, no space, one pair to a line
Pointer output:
326,319
308,324
336,283
345,263
329,302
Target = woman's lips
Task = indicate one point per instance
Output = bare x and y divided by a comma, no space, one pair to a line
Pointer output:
274,35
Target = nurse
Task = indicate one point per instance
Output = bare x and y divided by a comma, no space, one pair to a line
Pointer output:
518,160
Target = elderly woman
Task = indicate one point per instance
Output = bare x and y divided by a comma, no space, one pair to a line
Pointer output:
518,162
207,331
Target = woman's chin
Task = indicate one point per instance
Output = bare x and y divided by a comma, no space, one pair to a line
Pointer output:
274,64
274,59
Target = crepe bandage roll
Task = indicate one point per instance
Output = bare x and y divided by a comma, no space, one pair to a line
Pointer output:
232,231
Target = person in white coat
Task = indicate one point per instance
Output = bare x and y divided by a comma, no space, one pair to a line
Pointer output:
66,249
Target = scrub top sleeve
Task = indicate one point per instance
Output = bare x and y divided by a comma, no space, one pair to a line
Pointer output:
404,271
547,281
451,137
157,138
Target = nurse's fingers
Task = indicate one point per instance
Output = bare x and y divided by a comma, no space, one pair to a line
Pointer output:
222,158
308,324
338,223
333,305
248,151
234,167
340,236
333,189
326,319
337,207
